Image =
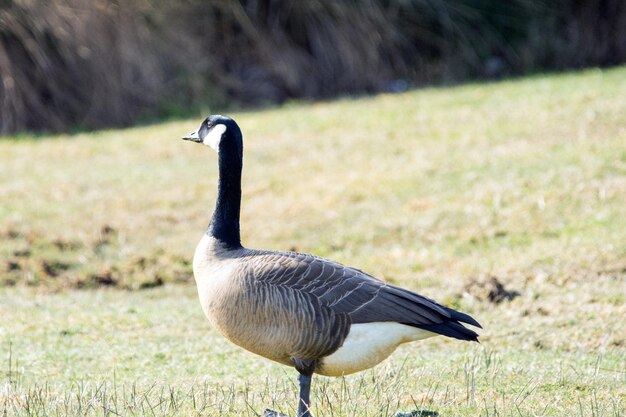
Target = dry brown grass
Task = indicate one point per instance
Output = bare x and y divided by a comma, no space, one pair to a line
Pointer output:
72,64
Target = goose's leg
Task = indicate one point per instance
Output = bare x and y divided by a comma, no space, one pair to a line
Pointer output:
304,403
304,399
305,367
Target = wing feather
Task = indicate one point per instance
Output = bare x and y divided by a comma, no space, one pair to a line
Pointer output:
356,294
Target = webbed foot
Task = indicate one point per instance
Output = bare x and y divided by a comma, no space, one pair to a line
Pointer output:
272,413
417,413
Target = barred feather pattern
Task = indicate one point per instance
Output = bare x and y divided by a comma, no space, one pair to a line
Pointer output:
287,305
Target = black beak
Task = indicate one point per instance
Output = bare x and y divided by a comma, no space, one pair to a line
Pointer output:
193,136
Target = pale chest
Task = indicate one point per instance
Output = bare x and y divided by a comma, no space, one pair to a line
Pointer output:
215,275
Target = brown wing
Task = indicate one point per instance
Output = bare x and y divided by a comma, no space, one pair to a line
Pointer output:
351,292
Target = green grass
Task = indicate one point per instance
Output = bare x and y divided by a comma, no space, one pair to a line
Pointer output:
436,190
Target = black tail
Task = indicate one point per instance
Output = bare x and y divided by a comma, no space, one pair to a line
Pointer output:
452,327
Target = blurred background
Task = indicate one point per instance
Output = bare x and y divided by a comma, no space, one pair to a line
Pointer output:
72,64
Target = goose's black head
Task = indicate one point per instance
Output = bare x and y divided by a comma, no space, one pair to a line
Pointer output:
218,132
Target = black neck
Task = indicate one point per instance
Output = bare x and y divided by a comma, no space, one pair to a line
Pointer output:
225,222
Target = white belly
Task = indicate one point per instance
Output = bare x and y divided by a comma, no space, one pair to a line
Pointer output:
367,345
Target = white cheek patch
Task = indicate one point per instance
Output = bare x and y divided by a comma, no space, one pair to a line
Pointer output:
214,136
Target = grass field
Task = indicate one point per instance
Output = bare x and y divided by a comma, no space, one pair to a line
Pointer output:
447,191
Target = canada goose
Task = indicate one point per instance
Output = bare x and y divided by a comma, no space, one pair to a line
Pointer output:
297,309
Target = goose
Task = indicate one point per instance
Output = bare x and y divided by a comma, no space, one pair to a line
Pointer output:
300,310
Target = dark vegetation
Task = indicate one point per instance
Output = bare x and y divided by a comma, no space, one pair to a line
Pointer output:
67,64
56,263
